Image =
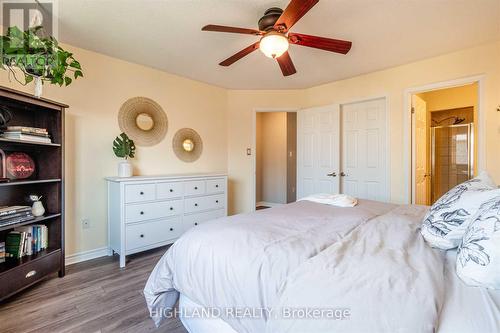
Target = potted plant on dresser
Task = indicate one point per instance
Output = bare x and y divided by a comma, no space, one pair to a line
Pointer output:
124,147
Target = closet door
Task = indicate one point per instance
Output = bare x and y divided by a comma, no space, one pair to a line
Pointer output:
318,150
364,155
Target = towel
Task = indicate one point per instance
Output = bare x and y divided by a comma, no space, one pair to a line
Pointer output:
339,200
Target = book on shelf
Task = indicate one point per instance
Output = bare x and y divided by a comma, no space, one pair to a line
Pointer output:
2,252
27,137
15,214
27,130
13,244
9,210
26,240
17,133
16,220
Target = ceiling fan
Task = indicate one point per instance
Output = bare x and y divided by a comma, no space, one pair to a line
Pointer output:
275,36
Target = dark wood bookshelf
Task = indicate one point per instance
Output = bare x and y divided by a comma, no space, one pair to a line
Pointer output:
17,274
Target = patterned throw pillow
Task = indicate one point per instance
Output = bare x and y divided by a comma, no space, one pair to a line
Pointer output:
446,221
478,257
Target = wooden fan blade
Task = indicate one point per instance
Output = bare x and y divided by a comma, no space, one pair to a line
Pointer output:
234,30
246,51
293,12
286,64
327,44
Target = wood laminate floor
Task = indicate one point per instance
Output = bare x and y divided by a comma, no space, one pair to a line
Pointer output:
94,296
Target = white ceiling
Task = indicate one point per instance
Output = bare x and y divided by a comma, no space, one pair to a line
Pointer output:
166,34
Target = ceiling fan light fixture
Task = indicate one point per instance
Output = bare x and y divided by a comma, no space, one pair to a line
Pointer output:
274,44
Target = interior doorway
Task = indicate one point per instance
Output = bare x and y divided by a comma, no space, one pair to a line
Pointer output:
275,158
444,126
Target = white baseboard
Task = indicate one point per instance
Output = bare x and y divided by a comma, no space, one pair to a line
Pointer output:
87,255
268,204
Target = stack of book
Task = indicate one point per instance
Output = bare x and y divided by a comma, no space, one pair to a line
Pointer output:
23,133
15,214
2,252
27,240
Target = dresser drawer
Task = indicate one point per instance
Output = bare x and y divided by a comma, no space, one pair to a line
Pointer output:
153,210
24,275
193,220
169,190
196,187
150,233
216,186
193,205
215,201
140,193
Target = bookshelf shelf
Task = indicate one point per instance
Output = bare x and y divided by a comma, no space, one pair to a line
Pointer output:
37,220
28,111
28,143
30,182
11,263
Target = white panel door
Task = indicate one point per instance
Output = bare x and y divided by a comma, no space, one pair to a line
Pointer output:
422,175
364,155
318,150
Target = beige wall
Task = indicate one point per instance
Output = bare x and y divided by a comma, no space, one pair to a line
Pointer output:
271,150
225,121
91,126
392,83
451,98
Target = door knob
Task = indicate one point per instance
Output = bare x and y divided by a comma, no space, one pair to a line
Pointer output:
342,174
333,174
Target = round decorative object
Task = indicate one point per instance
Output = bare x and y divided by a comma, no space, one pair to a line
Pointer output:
187,145
20,166
143,120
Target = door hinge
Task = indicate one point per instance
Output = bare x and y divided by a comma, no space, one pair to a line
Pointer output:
412,110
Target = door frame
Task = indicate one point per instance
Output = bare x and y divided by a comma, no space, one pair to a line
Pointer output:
387,135
408,123
254,146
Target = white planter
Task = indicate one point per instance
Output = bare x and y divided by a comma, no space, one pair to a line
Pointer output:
38,87
37,209
124,169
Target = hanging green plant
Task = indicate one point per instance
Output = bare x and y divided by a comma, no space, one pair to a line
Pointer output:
38,56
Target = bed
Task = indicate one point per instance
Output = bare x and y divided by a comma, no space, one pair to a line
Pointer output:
308,267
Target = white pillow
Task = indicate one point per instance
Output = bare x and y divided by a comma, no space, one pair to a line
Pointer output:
445,223
478,257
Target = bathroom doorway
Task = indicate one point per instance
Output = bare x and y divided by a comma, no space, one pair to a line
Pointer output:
444,132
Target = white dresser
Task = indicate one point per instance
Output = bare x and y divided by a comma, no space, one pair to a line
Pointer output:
148,212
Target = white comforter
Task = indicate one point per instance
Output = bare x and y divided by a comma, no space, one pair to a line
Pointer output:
368,260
